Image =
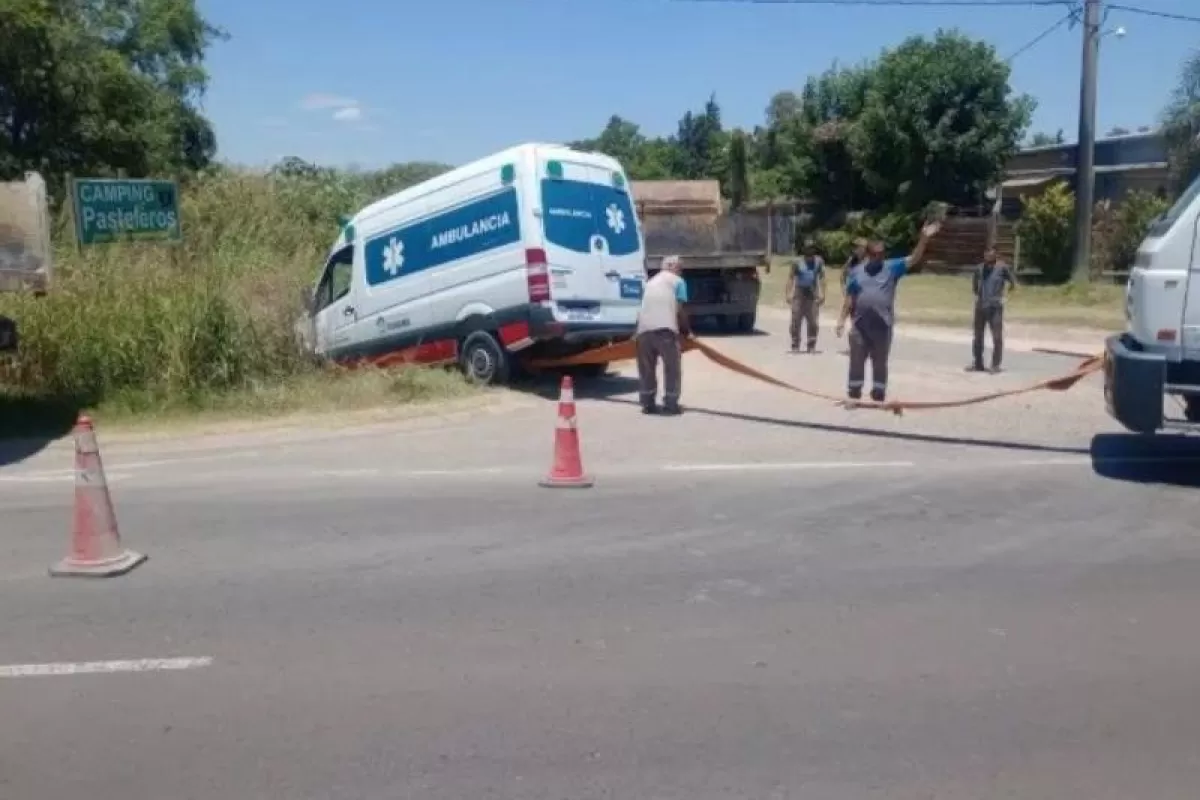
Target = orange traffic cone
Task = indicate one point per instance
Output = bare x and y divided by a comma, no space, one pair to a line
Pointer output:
96,550
567,470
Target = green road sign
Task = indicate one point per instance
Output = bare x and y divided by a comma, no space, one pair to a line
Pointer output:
123,210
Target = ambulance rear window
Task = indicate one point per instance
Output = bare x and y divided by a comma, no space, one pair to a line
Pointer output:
578,213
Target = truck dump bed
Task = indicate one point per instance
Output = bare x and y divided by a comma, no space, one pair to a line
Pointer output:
720,252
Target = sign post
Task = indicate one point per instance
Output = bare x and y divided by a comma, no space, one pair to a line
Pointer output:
111,210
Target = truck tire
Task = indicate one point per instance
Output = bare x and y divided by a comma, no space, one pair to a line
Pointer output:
483,360
745,322
1191,408
729,322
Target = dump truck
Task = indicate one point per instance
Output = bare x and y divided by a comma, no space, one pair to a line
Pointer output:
25,255
721,252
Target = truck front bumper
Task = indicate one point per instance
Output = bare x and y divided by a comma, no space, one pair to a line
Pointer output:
1135,384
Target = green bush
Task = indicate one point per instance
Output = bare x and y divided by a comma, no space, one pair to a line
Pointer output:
1046,227
174,323
896,230
835,246
1133,217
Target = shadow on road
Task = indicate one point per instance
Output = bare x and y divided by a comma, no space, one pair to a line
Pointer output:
546,385
28,425
926,438
1171,460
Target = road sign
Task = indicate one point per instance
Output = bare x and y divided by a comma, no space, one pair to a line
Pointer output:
110,210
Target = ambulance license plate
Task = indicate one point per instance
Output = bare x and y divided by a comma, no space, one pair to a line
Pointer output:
631,288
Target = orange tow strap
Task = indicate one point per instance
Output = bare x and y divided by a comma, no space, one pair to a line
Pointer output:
624,351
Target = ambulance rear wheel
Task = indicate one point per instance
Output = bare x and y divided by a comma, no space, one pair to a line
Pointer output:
745,322
483,360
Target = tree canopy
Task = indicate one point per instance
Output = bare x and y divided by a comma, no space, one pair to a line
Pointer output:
932,119
1181,123
96,86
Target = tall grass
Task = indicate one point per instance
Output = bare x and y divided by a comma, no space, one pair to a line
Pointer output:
157,325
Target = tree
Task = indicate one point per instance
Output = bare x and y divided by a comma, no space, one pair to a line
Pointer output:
1181,124
783,106
1040,139
833,103
700,144
739,175
939,121
96,86
642,158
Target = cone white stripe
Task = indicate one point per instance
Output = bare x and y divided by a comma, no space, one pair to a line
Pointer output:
567,396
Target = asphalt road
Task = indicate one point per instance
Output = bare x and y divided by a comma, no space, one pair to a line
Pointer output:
766,598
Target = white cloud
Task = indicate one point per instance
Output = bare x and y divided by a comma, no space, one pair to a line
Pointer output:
348,114
318,101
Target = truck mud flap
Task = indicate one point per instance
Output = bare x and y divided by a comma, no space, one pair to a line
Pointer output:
1134,386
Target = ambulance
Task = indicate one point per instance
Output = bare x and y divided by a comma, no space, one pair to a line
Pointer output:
532,252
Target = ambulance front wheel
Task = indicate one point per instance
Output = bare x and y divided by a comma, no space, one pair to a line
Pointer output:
483,360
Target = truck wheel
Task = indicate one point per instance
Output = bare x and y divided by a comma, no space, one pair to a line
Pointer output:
745,322
483,360
1191,408
729,322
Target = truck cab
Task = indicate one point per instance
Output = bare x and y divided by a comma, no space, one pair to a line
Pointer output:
1158,356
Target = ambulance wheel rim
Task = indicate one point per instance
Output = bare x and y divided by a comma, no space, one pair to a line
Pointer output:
481,365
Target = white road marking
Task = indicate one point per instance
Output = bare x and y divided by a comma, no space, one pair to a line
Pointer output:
105,667
786,467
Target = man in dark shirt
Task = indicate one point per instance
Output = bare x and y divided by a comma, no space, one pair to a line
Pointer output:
990,283
805,293
871,300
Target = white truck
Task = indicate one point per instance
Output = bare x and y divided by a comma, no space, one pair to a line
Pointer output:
534,251
1158,356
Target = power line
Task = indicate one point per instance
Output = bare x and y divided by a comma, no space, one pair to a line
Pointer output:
1149,12
1072,17
921,3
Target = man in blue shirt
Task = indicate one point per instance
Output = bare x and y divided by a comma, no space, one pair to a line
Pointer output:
805,294
870,301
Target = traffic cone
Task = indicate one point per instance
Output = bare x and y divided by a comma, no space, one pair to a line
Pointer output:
567,469
96,550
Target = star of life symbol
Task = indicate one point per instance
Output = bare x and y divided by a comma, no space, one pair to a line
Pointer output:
393,256
616,218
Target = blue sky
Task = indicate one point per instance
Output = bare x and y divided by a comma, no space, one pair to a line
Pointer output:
371,82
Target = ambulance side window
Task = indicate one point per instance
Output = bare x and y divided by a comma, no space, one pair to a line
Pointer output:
335,283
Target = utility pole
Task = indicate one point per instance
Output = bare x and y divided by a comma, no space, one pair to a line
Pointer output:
1085,154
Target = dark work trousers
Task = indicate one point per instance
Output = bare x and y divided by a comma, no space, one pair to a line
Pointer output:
869,343
805,311
652,346
991,318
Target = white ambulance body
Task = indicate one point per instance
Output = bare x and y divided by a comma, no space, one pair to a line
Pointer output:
535,250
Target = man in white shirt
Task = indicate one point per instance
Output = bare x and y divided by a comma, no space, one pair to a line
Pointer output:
660,322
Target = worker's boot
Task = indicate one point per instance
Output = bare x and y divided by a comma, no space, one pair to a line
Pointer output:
878,395
672,408
649,407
